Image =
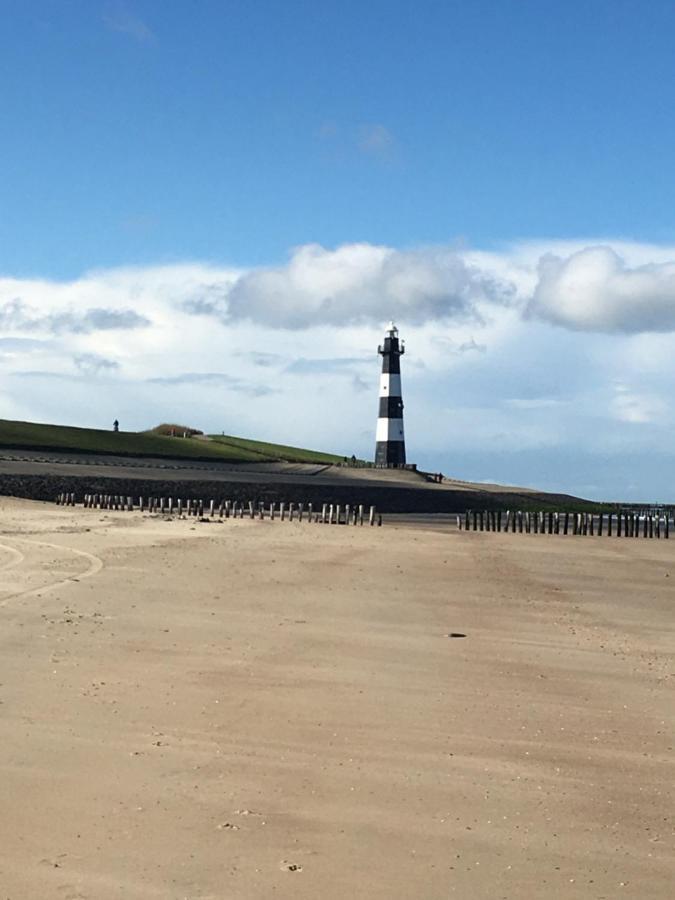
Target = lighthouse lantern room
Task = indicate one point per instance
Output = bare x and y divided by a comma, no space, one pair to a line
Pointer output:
390,441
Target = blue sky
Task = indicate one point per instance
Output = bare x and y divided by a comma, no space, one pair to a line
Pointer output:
235,130
195,196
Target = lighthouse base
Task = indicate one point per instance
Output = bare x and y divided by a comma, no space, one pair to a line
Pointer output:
390,454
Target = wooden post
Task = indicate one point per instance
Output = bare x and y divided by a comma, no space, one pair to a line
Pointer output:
282,511
338,514
372,515
466,520
651,526
310,512
644,526
566,523
482,524
609,525
667,524
379,520
347,513
301,509
272,511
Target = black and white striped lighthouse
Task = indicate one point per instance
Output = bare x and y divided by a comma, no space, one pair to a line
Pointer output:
390,446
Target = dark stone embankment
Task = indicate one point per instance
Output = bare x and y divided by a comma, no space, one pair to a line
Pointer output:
388,499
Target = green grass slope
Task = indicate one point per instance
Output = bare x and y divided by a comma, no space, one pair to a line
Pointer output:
33,436
276,451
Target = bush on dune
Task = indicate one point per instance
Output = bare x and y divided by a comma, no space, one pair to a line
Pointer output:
173,430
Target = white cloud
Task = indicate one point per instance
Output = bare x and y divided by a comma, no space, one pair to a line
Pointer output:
638,408
118,18
361,283
15,315
594,289
376,139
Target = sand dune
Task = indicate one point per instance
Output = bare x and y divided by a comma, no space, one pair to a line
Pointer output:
254,709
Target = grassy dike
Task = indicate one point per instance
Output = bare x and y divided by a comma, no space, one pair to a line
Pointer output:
33,436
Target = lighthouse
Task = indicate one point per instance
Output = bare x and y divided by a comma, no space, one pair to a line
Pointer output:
390,446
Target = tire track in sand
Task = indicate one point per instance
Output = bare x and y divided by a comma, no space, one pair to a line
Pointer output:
95,566
17,557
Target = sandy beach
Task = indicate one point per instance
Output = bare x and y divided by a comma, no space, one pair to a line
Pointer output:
246,709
